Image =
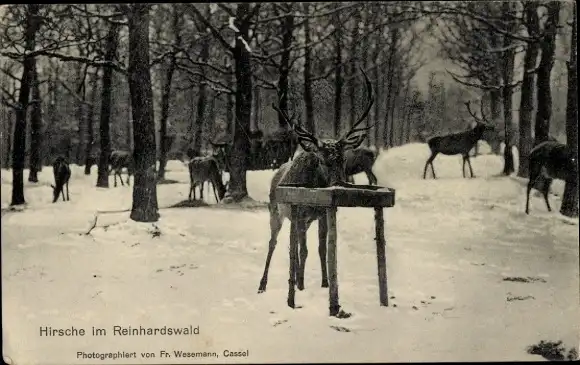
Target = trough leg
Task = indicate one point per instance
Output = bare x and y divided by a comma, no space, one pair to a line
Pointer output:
334,305
293,257
381,256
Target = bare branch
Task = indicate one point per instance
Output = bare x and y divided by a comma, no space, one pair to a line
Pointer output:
213,30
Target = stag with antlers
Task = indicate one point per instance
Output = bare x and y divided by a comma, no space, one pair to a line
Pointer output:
458,143
321,164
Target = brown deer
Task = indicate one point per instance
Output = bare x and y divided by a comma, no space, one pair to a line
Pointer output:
321,164
62,174
202,169
360,160
458,143
550,160
120,160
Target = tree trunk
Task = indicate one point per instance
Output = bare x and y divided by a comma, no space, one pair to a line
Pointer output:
19,145
569,206
495,106
111,50
145,208
308,100
284,69
89,160
365,57
36,129
241,145
352,85
81,92
165,100
230,108
508,71
337,73
528,86
544,92
377,87
394,34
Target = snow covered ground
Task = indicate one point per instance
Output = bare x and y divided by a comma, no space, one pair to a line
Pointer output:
451,243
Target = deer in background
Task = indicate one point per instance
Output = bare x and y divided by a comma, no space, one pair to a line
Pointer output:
62,174
120,160
458,143
202,169
360,160
550,160
321,164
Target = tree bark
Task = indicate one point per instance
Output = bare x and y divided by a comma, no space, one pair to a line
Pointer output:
337,73
284,69
527,94
495,106
352,85
308,100
508,71
394,34
80,112
569,206
241,145
19,145
105,117
365,57
145,208
36,128
89,160
544,92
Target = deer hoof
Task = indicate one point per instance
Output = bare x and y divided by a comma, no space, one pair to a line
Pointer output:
291,303
324,284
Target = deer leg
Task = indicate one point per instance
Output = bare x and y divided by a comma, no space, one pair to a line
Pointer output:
191,190
293,256
322,233
469,164
529,188
302,229
430,162
463,166
115,177
372,178
62,193
546,191
275,226
120,177
128,177
67,196
215,193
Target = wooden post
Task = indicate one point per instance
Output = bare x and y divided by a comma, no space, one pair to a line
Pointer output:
381,257
332,261
293,256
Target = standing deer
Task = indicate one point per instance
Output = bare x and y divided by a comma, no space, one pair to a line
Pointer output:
458,143
550,160
321,164
62,174
360,160
120,160
202,169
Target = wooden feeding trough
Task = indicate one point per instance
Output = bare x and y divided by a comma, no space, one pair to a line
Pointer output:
345,195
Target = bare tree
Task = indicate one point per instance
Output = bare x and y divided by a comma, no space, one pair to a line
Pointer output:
544,91
570,199
112,42
532,23
36,128
145,208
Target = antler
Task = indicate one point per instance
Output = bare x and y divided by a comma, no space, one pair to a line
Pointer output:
468,104
481,110
301,132
354,129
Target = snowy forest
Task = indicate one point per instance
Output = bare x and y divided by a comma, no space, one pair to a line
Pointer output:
168,97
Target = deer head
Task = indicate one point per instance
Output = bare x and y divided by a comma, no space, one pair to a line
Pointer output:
330,152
